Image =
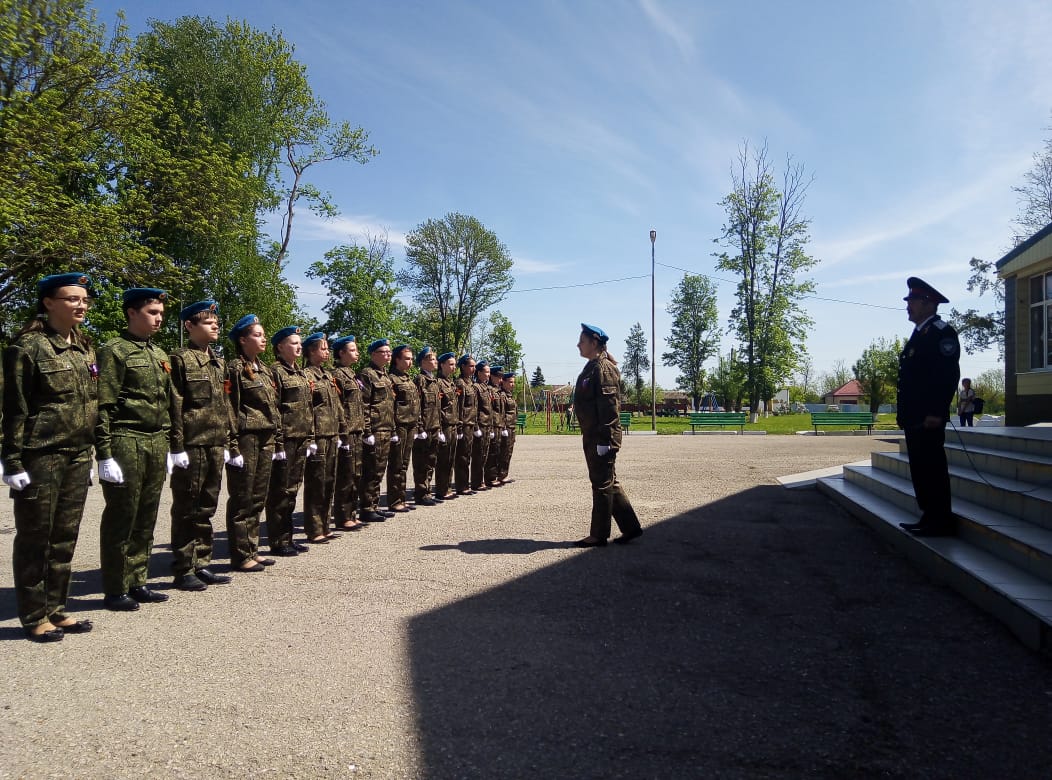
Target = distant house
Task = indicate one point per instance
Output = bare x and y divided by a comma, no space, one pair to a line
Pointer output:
849,393
1027,274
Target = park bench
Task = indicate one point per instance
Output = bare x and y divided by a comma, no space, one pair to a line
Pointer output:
858,419
712,419
520,421
626,420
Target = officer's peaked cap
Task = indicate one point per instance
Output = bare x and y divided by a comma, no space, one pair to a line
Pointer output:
924,291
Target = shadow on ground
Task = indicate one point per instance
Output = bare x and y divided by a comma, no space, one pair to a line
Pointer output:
764,635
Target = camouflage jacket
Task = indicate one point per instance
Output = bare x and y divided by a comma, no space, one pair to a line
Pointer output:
325,395
135,391
430,411
295,400
511,410
407,400
351,399
485,403
467,404
201,414
449,414
597,402
253,402
378,399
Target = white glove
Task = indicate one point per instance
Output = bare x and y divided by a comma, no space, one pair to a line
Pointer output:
180,460
237,462
1,469
478,434
394,438
422,435
17,481
491,434
91,476
344,446
504,433
279,455
441,437
312,450
460,436
226,456
370,440
109,471
602,449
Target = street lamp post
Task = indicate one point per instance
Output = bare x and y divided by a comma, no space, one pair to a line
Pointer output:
653,342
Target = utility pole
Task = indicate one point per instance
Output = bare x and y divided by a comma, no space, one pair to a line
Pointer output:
653,341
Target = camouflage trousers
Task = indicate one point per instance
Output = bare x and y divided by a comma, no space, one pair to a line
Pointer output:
444,461
492,469
506,448
479,453
462,459
608,499
247,488
425,457
47,520
195,498
319,485
398,463
285,481
374,465
348,479
126,531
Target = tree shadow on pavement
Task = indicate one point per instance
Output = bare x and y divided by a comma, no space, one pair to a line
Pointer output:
764,635
499,546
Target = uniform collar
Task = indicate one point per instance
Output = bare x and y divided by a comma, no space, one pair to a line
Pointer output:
129,336
925,323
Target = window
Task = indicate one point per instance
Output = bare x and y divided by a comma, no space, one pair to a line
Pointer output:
1041,321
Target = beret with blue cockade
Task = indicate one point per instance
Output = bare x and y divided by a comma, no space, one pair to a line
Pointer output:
197,308
445,356
135,294
49,284
424,352
245,322
592,330
283,334
313,338
376,345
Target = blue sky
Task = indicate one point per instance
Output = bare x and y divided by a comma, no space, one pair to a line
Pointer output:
572,128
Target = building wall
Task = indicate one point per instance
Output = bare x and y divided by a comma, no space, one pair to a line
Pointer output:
1028,394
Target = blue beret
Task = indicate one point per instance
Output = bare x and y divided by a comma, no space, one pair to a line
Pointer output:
445,356
197,308
463,359
399,349
136,294
247,321
481,364
424,352
49,284
921,289
283,334
313,338
340,343
496,369
592,330
376,345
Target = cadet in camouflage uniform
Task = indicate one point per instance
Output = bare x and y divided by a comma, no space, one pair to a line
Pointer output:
468,416
257,445
349,460
496,374
407,423
319,479
484,427
450,426
201,437
597,403
378,402
425,448
131,444
49,411
297,427
511,421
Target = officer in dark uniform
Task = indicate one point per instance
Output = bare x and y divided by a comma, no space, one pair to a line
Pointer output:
407,424
319,479
929,368
468,419
201,437
450,426
349,461
50,405
131,444
597,403
378,401
425,448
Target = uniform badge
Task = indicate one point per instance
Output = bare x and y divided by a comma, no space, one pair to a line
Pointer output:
167,368
226,386
93,370
947,347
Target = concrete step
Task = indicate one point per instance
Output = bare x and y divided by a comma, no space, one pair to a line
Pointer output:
1023,500
1013,595
1016,541
1025,467
1028,441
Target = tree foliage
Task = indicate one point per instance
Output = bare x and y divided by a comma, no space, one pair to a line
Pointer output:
500,344
878,371
456,270
694,337
990,386
1034,196
727,381
979,331
636,363
537,380
765,235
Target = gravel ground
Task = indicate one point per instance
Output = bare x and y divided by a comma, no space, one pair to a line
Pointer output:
753,631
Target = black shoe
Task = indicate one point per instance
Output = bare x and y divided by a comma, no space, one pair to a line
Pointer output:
211,578
369,516
626,538
386,512
144,595
910,526
189,581
589,543
323,540
300,547
265,561
333,535
426,501
255,568
121,603
79,627
932,530
285,551
54,635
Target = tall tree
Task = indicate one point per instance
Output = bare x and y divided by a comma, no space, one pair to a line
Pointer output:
537,380
979,331
694,337
456,270
836,377
637,362
501,344
727,382
765,235
990,386
1034,195
878,371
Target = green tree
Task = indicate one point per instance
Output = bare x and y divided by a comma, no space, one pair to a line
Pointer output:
766,235
835,378
636,363
1034,196
537,380
456,270
990,386
694,337
500,343
979,331
878,371
727,381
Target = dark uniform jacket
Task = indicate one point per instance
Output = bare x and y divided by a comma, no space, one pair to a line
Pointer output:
50,397
497,401
253,403
485,406
449,413
407,400
929,369
325,399
511,410
467,405
135,390
351,399
430,411
378,399
597,402
201,414
295,400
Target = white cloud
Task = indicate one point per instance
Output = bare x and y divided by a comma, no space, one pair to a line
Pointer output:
310,227
529,266
668,26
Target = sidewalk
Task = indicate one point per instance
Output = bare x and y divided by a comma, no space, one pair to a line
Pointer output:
753,631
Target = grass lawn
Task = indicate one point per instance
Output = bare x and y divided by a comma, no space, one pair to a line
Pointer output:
786,424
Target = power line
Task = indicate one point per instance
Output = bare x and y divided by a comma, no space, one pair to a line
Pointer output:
582,284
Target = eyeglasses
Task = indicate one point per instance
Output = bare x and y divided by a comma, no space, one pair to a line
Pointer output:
74,300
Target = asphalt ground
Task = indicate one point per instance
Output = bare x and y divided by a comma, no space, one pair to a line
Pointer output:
753,631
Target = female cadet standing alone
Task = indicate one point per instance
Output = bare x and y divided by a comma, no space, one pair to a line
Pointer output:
349,460
319,477
597,406
50,408
257,442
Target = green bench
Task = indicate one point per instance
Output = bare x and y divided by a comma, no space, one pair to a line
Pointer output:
520,421
856,419
626,420
712,419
